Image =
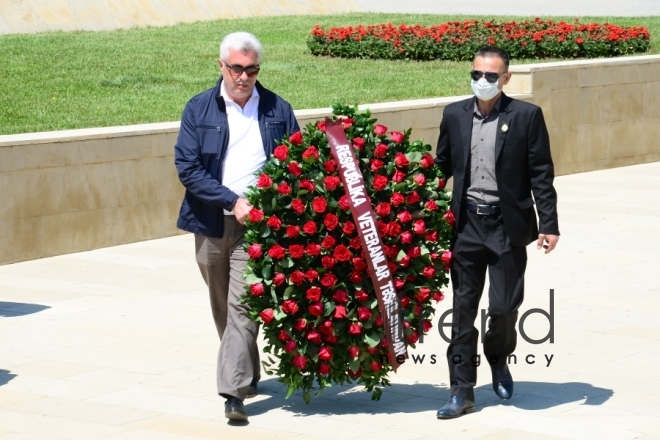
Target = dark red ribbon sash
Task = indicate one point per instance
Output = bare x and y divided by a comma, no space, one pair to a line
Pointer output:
365,222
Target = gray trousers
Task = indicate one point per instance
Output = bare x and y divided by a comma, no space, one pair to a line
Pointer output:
222,263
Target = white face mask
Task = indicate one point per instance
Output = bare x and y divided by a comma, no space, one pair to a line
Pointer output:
484,90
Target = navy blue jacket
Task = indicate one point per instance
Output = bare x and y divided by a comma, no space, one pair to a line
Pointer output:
201,148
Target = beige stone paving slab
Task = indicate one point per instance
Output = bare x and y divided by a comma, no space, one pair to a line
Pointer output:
46,427
143,434
9,397
53,369
514,434
71,389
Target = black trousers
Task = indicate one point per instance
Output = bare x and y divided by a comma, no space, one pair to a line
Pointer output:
482,243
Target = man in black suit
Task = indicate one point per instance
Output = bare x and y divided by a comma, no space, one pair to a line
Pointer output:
498,151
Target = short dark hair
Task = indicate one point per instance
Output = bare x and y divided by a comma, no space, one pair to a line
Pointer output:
492,51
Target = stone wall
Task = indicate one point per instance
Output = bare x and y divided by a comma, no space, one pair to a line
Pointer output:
70,191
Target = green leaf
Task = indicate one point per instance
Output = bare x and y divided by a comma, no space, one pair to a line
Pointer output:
264,230
252,279
371,339
290,391
286,263
287,292
414,156
266,271
354,364
307,397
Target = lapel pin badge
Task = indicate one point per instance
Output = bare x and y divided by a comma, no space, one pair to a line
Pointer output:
505,128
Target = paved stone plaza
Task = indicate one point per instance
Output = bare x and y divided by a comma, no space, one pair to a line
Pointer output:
119,343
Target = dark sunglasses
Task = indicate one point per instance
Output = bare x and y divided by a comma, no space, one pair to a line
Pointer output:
491,77
237,70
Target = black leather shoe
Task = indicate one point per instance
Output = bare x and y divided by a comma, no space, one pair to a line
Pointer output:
502,382
234,409
455,406
253,390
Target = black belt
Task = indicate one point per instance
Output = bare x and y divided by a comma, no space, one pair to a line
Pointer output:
484,209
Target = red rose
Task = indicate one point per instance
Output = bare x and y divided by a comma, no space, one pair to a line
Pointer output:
300,361
315,309
392,266
413,337
376,164
375,366
405,301
331,339
296,138
380,182
383,209
393,251
401,160
340,312
348,228
406,237
311,275
442,183
296,251
446,258
427,325
412,198
397,137
328,262
281,152
284,336
419,227
419,179
340,296
313,249
358,143
313,294
330,221
346,122
298,206
284,189
297,277
355,374
330,166
274,222
426,161
355,277
382,227
404,216
364,313
359,264
342,253
380,129
328,242
326,328
314,337
325,353
264,181
431,205
309,228
257,289
414,252
405,261
398,176
399,283
279,279
449,218
276,252
344,203
331,182
311,154
256,215
393,229
431,237
423,294
290,307
254,251
295,169
438,296
380,150
267,316
319,205
379,321
321,125
323,369
353,351
397,199
307,185
290,346
361,295
355,243
292,231
328,280
372,350
355,328
300,324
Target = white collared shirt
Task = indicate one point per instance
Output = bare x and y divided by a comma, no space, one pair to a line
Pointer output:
245,152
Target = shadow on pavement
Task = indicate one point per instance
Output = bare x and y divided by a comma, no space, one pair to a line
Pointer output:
5,376
420,397
12,309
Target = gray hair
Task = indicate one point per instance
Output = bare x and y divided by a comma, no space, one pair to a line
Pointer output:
242,42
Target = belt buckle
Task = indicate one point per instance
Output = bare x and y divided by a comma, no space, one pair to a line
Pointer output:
479,212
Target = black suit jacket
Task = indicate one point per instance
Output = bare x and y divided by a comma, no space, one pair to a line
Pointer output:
523,165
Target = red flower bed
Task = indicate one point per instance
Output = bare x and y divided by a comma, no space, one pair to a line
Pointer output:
460,40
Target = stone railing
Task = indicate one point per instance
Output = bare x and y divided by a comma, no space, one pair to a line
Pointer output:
70,191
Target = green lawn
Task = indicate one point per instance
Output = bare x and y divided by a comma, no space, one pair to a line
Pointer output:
56,81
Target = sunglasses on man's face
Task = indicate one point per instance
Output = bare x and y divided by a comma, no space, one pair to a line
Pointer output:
491,77
237,70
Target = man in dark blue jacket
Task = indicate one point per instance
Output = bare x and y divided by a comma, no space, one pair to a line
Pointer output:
227,134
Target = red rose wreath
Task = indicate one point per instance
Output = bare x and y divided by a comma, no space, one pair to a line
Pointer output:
308,281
